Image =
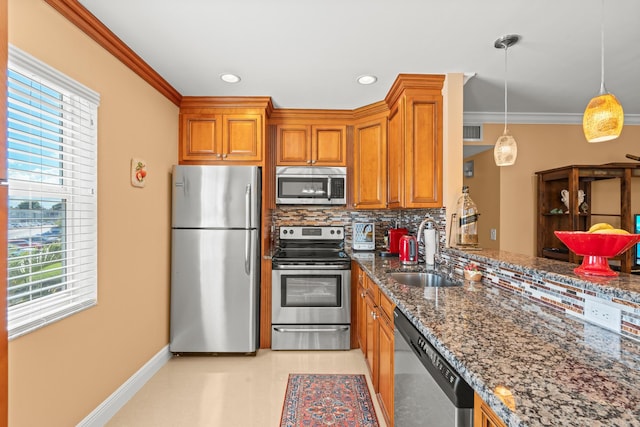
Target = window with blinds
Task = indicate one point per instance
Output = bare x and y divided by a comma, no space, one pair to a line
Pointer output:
52,212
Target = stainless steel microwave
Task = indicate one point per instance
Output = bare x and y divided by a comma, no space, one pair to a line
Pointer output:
311,185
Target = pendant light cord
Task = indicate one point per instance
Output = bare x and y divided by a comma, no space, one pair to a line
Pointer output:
602,88
505,87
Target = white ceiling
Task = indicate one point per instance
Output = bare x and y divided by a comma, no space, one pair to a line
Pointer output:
308,53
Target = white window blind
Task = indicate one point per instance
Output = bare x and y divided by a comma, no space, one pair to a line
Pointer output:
52,212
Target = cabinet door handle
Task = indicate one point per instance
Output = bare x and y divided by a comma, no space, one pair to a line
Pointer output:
218,156
224,156
313,162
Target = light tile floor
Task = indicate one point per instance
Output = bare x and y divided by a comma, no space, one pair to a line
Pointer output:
230,391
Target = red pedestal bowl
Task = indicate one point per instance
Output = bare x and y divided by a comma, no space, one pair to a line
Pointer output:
596,248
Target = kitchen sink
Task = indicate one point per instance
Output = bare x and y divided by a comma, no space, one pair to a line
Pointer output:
422,280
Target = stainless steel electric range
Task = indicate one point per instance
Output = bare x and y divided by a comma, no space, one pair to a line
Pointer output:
311,290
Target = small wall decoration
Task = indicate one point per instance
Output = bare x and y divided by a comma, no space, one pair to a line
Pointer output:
138,172
468,169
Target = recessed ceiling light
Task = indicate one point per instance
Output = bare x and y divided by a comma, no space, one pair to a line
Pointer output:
367,79
230,78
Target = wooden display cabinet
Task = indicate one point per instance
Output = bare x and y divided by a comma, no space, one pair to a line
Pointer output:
553,215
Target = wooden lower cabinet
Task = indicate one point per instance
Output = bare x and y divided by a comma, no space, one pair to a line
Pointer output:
371,343
483,416
385,365
360,312
375,317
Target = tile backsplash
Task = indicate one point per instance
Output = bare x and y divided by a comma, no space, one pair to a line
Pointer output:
340,216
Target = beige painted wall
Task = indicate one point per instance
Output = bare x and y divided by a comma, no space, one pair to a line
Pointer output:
452,142
483,189
62,372
542,147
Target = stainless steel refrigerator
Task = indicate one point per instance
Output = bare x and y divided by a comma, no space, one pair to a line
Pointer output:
215,268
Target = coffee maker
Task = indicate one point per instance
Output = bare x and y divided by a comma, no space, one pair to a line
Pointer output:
393,241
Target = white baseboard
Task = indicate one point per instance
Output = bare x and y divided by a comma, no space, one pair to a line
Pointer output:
107,409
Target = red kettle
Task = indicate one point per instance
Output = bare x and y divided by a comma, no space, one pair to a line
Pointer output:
408,250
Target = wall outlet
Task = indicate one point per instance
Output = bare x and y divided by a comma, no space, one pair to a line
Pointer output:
494,234
602,314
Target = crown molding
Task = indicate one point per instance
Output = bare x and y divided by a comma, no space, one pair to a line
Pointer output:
536,118
78,15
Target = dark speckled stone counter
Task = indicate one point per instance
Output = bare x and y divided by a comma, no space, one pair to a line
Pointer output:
561,370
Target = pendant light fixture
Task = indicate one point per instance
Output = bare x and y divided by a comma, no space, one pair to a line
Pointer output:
603,118
506,150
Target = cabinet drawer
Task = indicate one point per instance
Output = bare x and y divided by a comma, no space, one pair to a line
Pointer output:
387,306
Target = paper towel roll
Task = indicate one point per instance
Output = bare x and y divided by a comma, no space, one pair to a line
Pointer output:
430,246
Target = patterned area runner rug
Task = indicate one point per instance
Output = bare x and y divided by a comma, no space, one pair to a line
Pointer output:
314,400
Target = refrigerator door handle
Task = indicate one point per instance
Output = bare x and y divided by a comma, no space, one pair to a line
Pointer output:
247,197
247,252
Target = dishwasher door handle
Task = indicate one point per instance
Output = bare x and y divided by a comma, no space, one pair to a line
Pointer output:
339,329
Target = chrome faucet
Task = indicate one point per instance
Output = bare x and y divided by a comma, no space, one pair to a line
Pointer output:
432,224
445,266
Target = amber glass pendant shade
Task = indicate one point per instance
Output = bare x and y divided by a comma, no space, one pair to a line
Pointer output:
505,151
603,118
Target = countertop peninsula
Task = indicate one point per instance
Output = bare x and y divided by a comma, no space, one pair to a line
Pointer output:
560,369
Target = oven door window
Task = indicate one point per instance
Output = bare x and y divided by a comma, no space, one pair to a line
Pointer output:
311,291
302,187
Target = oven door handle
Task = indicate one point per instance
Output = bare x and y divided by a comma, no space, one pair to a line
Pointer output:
277,266
338,329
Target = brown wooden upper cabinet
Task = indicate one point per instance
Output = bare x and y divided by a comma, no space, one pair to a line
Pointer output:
311,145
369,178
415,142
221,130
221,137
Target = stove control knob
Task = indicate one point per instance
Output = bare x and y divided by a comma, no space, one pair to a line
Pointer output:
290,231
285,232
338,231
333,232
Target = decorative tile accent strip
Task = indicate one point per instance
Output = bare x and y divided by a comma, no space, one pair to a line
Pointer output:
562,293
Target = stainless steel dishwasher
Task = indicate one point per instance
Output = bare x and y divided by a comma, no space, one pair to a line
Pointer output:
427,390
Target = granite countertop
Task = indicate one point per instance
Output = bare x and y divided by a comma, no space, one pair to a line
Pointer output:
560,370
